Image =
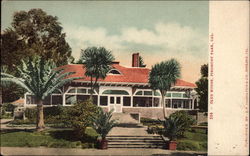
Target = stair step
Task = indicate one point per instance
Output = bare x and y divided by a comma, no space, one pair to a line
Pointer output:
132,139
152,141
136,146
126,144
134,136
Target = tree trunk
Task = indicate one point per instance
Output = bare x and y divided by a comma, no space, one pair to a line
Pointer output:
40,118
91,85
1,102
162,103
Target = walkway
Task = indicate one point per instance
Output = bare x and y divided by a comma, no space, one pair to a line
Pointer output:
116,151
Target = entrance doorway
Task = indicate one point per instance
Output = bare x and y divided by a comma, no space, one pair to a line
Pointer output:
115,103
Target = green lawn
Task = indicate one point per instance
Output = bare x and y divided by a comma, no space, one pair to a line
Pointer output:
48,138
195,139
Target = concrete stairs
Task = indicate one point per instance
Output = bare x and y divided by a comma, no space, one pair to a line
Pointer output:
131,134
119,141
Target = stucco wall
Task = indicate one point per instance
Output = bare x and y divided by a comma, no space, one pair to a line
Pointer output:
157,113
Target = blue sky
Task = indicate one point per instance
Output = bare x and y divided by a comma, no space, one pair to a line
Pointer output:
158,30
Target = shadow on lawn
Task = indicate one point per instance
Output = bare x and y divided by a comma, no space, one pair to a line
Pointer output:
128,125
64,134
5,131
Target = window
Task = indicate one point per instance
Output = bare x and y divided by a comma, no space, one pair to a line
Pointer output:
112,100
116,92
47,101
168,103
177,94
126,101
30,99
118,100
156,102
114,72
81,98
142,102
70,99
156,93
103,100
57,100
81,90
147,92
168,95
185,95
73,90
139,93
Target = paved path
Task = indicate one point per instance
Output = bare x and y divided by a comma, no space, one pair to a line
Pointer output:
117,151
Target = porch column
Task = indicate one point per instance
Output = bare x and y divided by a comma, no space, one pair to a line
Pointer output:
63,100
98,100
171,103
192,103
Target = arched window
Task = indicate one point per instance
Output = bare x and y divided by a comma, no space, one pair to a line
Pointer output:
146,98
114,72
77,94
115,92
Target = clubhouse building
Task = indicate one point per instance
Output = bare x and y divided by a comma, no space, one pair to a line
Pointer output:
125,90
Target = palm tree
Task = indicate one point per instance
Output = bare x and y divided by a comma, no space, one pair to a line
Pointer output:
39,78
102,123
162,76
97,62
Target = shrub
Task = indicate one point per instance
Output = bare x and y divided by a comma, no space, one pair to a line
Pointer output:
184,120
148,121
8,107
102,123
172,128
80,116
203,124
52,115
188,145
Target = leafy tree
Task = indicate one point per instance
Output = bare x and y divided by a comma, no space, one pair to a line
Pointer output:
32,33
97,62
141,62
40,78
80,116
202,89
162,76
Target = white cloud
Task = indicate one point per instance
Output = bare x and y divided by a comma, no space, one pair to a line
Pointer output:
170,37
166,39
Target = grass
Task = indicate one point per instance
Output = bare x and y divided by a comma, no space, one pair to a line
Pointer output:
28,123
194,139
47,138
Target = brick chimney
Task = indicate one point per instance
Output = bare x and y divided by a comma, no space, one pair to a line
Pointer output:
135,60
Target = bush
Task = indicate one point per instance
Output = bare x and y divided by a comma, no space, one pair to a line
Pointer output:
188,145
203,124
184,120
80,116
148,121
52,115
8,107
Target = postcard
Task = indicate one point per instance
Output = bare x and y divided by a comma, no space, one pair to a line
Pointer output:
125,78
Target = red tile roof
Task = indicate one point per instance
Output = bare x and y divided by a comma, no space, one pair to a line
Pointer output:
129,75
19,101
